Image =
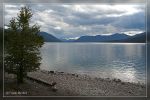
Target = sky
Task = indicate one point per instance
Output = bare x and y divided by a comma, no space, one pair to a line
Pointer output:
70,21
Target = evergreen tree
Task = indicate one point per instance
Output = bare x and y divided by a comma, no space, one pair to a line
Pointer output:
22,45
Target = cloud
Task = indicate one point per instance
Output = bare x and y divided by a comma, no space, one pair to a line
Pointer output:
136,21
74,1
1,15
75,20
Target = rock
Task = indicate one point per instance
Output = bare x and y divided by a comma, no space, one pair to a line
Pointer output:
53,84
76,75
50,72
116,80
130,92
61,72
54,89
122,83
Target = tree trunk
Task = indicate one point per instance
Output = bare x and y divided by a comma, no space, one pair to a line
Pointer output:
20,70
20,75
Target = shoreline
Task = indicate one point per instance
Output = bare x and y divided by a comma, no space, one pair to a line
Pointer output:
69,84
86,75
103,42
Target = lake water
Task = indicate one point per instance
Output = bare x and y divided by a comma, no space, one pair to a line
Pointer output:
125,61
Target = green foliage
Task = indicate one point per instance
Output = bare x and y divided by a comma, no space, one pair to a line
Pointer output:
1,36
1,48
22,44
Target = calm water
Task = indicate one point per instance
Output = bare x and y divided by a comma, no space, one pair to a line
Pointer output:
125,61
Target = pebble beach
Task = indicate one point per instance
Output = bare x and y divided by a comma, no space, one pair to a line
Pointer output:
68,84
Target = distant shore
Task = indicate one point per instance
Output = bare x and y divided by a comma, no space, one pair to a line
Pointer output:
68,84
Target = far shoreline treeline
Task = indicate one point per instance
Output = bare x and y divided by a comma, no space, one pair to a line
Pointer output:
114,38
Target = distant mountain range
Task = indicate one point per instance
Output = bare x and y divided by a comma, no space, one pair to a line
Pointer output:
139,38
148,37
48,37
103,38
117,37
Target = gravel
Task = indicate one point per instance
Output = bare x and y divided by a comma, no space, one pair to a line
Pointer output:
68,84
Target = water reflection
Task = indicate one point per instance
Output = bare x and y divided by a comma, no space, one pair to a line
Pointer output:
123,61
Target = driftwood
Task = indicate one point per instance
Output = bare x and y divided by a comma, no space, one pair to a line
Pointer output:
42,82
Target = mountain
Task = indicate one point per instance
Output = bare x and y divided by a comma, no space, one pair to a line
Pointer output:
148,37
102,38
48,37
139,38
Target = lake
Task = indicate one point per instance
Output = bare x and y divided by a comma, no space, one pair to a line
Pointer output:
125,61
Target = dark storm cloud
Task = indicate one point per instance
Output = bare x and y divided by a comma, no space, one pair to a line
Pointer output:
148,16
87,20
136,21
